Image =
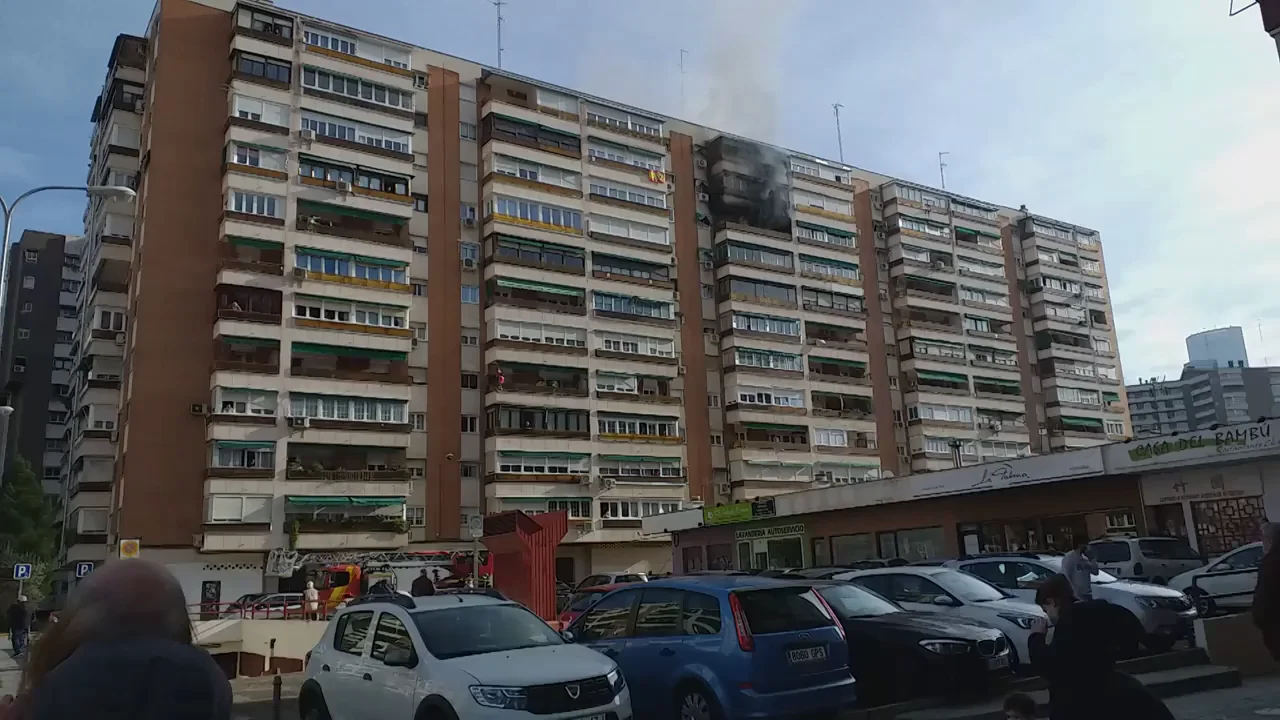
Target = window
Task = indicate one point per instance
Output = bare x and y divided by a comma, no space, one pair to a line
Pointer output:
332,407
469,470
766,324
470,423
471,338
948,413
246,402
23,333
265,68
238,509
658,507
418,421
352,632
31,256
701,614
333,83
255,455
617,119
619,510
830,437
608,618
264,23
470,381
250,108
1114,427
717,439
26,308
415,515
532,332
467,131
351,131
577,509
637,426
549,464
28,282
659,613
418,289
617,467
419,331
829,268
330,42
390,634
344,312
57,417
780,397
627,305
627,156
417,472
469,251
630,229
470,295
255,204
71,286
768,360
741,252
826,236
531,212
713,400
820,300
629,193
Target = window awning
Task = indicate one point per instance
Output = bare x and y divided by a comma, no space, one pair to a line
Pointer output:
527,123
931,341
839,361
377,501
313,349
348,300
776,463
931,281
941,376
351,212
254,242
998,381
828,261
256,342
246,444
639,458
1110,396
379,261
259,146
323,253
539,287
823,228
501,237
771,426
971,231
529,453
1081,422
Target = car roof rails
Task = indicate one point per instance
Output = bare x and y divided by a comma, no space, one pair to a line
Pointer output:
488,592
395,598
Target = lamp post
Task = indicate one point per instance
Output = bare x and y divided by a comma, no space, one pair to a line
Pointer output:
5,412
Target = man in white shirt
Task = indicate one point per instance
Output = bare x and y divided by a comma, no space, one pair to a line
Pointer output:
1079,567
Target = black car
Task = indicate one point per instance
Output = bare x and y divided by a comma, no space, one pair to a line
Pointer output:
898,655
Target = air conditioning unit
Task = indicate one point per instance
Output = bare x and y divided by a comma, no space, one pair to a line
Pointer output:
138,106
199,409
307,134
468,222
897,423
120,338
878,205
703,197
469,263
420,82
723,488
700,162
19,368
880,235
300,422
884,294
115,436
939,265
680,370
299,273
413,342
343,186
708,265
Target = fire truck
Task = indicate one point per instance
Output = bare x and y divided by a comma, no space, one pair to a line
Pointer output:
342,576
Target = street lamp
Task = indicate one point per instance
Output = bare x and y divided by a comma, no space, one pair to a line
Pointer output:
5,412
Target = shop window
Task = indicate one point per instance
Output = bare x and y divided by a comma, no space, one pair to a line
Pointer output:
912,545
848,549
821,552
1222,525
720,557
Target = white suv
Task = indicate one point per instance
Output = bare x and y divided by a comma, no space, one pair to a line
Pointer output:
451,656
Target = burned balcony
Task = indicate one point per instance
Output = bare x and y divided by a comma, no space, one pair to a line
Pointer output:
538,379
927,289
246,304
635,388
503,420
939,382
510,250
932,320
769,436
349,222
345,463
355,364
243,354
536,296
1056,339
252,255
854,407
836,370
996,388
748,184
757,292
824,335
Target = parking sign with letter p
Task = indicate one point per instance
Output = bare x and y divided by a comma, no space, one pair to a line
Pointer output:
83,568
22,571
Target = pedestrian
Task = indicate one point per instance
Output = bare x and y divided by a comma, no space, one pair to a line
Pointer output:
19,625
1079,664
121,648
311,601
1079,569
1020,706
1266,594
422,585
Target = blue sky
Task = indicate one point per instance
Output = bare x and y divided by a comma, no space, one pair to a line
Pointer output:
1156,122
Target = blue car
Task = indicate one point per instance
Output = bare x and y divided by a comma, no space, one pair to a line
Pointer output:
722,648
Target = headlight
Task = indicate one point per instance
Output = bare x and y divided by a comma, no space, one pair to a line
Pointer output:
1148,603
504,698
945,647
616,681
1023,621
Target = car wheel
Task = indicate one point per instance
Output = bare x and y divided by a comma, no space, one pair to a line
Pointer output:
313,708
695,703
1204,604
1158,643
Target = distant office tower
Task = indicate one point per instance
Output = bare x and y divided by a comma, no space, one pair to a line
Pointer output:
1220,347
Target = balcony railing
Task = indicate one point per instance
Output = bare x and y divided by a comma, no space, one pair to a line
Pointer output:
355,524
340,475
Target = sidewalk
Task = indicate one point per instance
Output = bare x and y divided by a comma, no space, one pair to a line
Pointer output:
10,669
1257,698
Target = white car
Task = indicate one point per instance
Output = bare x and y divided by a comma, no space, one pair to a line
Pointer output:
452,656
946,590
1227,582
1166,614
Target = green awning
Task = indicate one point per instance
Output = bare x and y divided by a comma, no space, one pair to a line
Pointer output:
348,300
639,458
260,146
350,212
256,342
839,361
323,253
931,341
828,261
941,376
313,349
577,252
1111,397
539,287
379,261
1081,422
317,499
931,281
998,381
247,444
771,426
530,453
825,229
377,501
528,123
254,242
971,231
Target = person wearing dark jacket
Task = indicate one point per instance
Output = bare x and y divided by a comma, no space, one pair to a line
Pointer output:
19,616
422,585
1080,663
1266,594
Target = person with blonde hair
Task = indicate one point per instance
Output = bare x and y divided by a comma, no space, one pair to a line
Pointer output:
122,647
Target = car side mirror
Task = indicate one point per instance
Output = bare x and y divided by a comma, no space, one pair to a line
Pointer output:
567,635
943,600
399,657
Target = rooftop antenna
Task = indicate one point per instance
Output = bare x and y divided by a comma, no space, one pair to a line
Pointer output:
839,135
498,4
683,52
942,169
1266,360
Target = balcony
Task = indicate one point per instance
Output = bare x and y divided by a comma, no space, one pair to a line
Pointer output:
922,319
345,464
349,364
640,389
246,304
754,256
834,405
632,272
511,377
738,192
927,289
250,255
253,22
353,223
251,355
860,444
997,388
1070,342
765,436
91,475
1078,427
617,427
536,296
361,181
985,242
632,309
755,292
333,531
515,420
510,250
834,370
501,128
989,328
939,382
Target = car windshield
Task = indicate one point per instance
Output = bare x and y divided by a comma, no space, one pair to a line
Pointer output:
850,601
1167,549
967,587
1101,578
584,600
479,629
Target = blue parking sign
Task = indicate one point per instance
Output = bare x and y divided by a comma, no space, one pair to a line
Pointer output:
83,568
22,571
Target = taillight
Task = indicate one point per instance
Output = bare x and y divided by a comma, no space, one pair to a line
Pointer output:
831,613
745,641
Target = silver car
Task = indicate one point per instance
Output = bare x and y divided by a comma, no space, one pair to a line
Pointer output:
1166,614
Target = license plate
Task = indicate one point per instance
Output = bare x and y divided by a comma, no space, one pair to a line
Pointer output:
809,654
998,663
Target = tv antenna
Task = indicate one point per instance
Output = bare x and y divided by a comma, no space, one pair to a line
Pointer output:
839,135
942,169
683,52
498,4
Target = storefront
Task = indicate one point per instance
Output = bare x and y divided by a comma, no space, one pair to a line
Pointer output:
778,547
1216,508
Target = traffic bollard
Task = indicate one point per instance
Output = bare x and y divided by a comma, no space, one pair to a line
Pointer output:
276,684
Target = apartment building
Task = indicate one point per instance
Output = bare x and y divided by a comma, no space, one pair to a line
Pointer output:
36,357
1219,347
377,290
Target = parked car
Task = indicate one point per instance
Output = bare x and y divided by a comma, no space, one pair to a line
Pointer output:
1216,587
723,647
1165,614
240,605
273,606
461,655
896,654
949,591
1152,559
583,599
599,579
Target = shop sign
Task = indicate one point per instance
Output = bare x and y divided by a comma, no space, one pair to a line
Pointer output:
770,532
1000,475
739,512
1199,486
763,508
1239,442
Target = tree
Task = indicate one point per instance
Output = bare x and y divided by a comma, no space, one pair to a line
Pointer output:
27,518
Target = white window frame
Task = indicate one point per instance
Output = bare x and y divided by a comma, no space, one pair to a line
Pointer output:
630,193
347,409
636,344
769,360
541,333
260,204
355,314
656,234
637,425
237,401
259,110
238,509
549,464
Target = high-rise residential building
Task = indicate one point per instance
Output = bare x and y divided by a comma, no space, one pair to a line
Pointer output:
377,290
1270,10
36,357
1221,347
